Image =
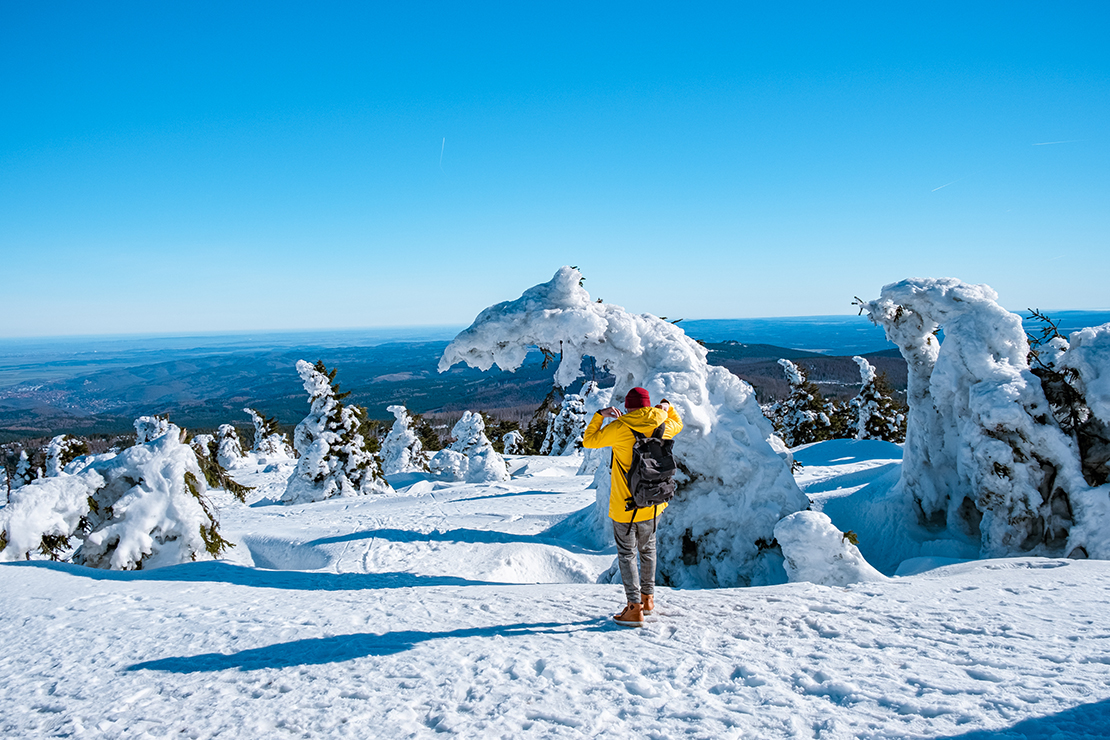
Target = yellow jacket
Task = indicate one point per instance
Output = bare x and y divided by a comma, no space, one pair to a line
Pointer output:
618,435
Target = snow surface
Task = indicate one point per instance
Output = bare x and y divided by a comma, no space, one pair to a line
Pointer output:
452,608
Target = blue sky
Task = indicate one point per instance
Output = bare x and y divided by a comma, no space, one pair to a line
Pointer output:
246,166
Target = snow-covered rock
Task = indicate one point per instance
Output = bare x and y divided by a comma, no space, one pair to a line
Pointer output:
739,488
818,552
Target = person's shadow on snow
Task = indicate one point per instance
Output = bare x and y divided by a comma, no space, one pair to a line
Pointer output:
340,648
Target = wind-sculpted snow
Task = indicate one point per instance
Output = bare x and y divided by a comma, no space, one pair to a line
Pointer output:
985,460
719,529
142,508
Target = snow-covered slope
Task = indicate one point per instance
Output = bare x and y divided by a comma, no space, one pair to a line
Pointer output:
451,608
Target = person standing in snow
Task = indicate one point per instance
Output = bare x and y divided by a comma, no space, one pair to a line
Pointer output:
633,529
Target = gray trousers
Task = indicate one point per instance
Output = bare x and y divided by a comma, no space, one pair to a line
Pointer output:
642,539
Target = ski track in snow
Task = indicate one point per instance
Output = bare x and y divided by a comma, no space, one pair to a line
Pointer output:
448,611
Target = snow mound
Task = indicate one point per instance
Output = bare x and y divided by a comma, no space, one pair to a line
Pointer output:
818,552
739,487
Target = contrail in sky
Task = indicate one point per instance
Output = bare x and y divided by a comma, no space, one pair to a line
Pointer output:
1048,143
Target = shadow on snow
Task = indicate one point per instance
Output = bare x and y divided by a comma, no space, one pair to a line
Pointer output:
472,536
319,650
1086,721
239,575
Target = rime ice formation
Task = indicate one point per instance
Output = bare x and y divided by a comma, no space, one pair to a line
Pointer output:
333,458
402,451
716,531
985,462
144,507
818,552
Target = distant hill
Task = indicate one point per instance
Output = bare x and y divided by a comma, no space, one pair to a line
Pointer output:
101,384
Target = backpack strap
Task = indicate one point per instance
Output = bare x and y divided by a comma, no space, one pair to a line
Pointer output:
659,430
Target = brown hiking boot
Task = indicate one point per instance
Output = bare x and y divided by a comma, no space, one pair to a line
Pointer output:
632,616
647,601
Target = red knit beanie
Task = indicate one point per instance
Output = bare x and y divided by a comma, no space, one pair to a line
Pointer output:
637,398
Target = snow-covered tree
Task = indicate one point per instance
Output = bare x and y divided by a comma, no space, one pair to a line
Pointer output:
402,450
269,441
142,508
985,460
804,416
722,520
206,449
24,474
482,465
150,427
513,442
566,428
335,459
876,415
63,450
229,448
1075,376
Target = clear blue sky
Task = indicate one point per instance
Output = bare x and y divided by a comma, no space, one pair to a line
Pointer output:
225,166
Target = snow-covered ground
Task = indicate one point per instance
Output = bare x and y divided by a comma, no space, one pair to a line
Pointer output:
445,608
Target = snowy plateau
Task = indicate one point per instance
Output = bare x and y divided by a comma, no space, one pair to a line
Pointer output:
446,608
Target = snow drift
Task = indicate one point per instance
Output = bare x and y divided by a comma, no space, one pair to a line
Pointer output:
718,531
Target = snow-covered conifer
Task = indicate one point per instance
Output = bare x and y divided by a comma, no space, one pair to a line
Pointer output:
402,451
565,429
145,507
334,456
738,487
512,442
24,474
804,416
61,451
876,415
269,441
150,427
484,465
229,449
985,460
206,449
